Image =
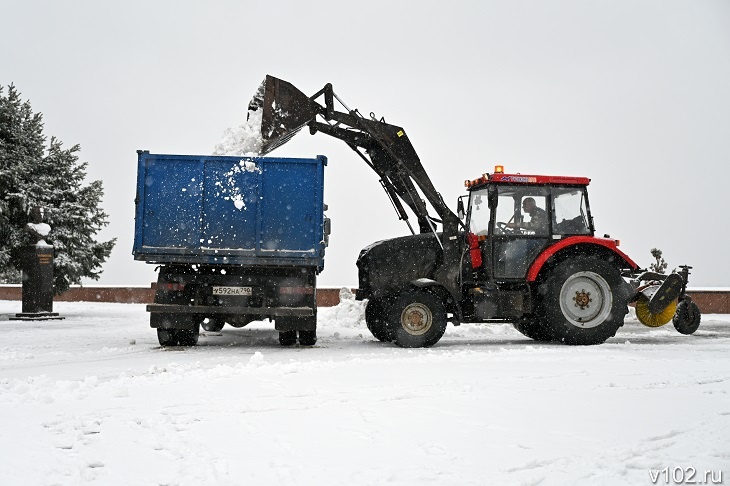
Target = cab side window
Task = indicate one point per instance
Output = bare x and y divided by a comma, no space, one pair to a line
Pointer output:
569,212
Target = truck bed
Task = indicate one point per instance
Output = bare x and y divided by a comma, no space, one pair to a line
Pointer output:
229,210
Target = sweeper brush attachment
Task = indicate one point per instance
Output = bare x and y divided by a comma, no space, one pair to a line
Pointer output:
650,319
285,111
656,304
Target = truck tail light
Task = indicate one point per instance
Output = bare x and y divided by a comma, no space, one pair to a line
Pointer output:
173,286
296,290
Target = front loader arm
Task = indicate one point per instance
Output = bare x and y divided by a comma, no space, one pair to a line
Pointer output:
384,147
387,149
398,187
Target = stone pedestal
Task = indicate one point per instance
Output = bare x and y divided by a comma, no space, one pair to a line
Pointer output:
38,283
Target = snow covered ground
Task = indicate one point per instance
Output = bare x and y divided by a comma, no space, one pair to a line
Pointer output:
94,399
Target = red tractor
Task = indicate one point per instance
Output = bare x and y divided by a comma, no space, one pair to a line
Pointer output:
522,250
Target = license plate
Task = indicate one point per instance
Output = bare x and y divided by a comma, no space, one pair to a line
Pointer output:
232,291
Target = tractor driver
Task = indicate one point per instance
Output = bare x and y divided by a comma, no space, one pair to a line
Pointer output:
538,217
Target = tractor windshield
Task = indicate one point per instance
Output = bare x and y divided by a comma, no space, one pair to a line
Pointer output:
529,210
520,210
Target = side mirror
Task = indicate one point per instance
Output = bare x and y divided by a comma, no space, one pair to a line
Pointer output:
460,208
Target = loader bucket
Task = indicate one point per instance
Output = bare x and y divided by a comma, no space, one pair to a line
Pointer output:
285,111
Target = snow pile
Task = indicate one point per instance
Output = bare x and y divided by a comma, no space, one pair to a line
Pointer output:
478,331
349,313
244,139
257,359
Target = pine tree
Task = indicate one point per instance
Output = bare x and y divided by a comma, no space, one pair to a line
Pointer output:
660,266
33,174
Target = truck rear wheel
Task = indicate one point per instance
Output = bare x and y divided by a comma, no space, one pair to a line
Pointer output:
167,337
376,315
188,337
287,338
169,332
307,338
581,301
305,326
213,324
417,319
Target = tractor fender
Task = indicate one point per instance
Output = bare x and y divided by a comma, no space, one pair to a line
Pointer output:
577,244
450,301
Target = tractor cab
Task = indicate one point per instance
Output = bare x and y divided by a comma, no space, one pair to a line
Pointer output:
513,218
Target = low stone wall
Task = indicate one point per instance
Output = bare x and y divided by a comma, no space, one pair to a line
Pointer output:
709,301
326,297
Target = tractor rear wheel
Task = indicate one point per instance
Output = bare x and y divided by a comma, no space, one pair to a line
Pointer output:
376,316
417,319
533,329
581,301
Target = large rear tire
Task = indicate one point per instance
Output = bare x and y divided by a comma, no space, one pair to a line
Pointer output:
533,329
376,318
417,319
581,301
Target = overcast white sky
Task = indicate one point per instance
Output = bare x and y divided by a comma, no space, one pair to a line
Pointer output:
633,94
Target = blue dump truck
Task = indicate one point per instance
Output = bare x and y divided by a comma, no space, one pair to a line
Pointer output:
236,239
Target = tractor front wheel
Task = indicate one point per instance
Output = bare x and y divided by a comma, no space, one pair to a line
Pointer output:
376,316
417,319
581,301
